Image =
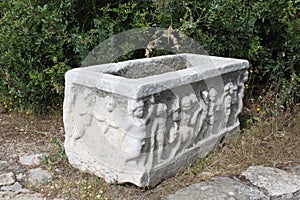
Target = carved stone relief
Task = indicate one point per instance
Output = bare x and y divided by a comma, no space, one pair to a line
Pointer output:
146,135
201,126
240,92
83,116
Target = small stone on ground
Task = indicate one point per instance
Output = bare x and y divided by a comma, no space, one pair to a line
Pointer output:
21,176
7,178
17,196
3,165
16,187
39,175
31,159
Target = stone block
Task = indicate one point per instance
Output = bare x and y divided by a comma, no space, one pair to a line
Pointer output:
277,183
142,121
218,188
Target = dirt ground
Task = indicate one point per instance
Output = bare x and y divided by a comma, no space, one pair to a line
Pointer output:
22,134
269,140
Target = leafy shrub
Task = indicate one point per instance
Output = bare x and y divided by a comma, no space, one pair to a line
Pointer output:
264,32
41,40
35,51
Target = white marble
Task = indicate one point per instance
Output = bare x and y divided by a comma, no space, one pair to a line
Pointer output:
277,183
142,121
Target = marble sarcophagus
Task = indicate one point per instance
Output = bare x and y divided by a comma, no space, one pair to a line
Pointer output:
141,121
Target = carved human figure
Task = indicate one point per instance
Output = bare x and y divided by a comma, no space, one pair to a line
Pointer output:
227,102
203,105
174,113
106,120
240,93
188,119
213,109
83,111
158,130
134,130
109,103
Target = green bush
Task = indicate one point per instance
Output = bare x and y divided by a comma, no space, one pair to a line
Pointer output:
267,33
35,52
41,40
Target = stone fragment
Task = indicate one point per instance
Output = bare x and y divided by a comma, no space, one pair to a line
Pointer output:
218,188
205,174
16,196
142,121
31,160
29,197
7,178
4,195
15,168
21,176
3,165
277,183
11,166
39,175
16,187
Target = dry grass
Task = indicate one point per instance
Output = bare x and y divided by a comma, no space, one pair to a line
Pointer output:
269,141
269,138
262,144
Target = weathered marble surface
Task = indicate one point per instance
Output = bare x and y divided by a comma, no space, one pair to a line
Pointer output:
257,182
142,121
277,183
219,188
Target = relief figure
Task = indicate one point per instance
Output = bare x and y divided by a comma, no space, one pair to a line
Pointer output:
240,93
105,118
203,106
134,132
174,113
83,111
227,102
158,130
188,119
213,110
